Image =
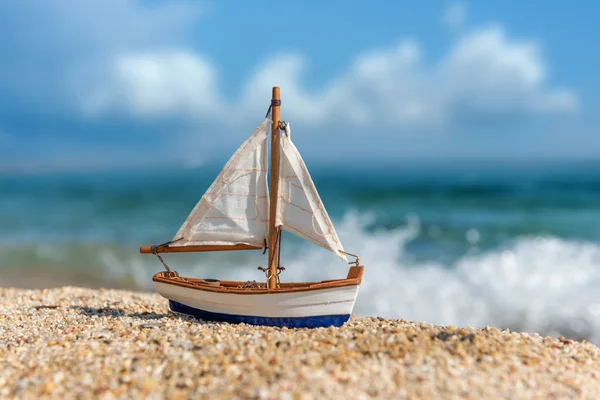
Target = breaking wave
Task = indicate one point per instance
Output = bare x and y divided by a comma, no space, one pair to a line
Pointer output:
533,284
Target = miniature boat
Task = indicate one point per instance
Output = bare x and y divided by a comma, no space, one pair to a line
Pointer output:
237,212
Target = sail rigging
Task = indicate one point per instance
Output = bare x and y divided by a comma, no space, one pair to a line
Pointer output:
299,208
235,208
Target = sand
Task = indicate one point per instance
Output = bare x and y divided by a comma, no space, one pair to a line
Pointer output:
105,344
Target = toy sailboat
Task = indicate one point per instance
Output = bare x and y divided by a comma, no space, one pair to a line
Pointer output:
237,212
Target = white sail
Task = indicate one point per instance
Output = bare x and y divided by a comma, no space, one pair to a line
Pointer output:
235,208
299,207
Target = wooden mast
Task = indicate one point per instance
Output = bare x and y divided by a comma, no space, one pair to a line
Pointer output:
273,187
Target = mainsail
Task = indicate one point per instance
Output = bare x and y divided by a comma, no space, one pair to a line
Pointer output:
235,208
299,208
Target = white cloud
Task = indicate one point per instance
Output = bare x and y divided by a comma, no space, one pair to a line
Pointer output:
485,76
56,49
488,75
455,15
158,84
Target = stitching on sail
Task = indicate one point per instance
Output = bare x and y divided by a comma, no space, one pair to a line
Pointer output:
247,169
303,234
258,132
330,236
235,219
315,194
226,169
295,205
319,205
242,195
315,229
220,178
313,215
220,242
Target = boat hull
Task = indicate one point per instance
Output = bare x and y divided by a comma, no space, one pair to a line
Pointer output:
306,305
319,321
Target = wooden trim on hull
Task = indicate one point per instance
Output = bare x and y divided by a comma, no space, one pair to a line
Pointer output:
196,249
354,279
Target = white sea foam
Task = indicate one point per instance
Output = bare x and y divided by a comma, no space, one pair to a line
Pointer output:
538,284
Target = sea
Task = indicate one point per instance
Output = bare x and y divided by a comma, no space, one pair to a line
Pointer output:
510,245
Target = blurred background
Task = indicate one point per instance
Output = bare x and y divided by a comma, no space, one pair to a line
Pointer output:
455,146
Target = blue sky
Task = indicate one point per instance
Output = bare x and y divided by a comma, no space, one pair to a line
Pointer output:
128,82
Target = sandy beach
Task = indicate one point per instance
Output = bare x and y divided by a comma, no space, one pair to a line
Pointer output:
105,344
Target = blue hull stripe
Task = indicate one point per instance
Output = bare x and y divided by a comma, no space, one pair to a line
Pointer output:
321,321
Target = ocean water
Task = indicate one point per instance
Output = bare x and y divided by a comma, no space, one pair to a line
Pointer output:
514,246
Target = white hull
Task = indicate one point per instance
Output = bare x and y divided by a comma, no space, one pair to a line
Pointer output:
330,301
299,304
307,308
